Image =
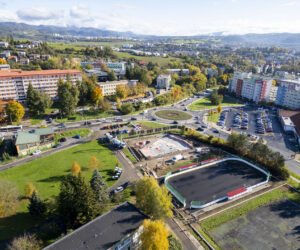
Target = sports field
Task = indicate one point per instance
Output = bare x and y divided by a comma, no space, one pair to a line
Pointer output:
214,182
273,226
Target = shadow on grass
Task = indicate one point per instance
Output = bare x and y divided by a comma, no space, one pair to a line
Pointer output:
17,224
53,178
286,209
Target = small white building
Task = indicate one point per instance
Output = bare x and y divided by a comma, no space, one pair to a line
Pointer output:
4,45
163,81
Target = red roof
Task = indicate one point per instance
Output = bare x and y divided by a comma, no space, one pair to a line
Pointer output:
237,191
20,73
187,166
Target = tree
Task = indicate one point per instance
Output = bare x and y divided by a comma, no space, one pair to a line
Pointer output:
32,99
121,91
219,109
154,236
29,189
3,61
104,105
111,75
45,102
215,98
75,169
93,163
99,186
96,95
126,108
14,111
76,201
238,142
152,199
36,207
8,198
67,97
25,242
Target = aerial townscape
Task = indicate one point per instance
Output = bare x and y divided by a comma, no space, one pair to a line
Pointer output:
159,125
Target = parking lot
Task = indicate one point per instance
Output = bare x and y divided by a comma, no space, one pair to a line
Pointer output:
277,140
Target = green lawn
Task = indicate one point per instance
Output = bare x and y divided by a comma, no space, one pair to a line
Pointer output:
213,118
162,61
46,174
173,115
83,132
87,115
129,155
151,125
205,103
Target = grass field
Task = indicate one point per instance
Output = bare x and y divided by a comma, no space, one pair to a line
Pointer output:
46,174
151,125
162,61
129,155
83,132
213,118
87,115
173,115
205,103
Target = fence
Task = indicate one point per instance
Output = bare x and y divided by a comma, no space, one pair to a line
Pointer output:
173,191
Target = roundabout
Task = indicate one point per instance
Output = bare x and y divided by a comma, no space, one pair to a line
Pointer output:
173,115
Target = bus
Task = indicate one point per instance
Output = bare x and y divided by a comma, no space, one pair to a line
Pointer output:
11,128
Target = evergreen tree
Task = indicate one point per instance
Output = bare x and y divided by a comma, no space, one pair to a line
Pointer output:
67,97
36,206
99,186
76,201
32,102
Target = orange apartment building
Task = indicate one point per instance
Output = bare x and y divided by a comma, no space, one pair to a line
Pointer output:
14,83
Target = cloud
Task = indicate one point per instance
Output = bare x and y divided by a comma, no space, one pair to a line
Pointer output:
79,11
288,4
33,14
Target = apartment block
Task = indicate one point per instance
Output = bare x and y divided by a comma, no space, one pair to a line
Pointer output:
250,86
163,81
14,83
110,88
288,94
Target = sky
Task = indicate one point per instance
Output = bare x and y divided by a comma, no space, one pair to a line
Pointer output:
160,17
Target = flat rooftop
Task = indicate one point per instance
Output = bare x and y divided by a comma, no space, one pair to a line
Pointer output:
103,232
213,182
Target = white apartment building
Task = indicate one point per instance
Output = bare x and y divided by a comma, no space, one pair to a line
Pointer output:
288,94
273,93
4,67
110,88
14,83
163,81
250,86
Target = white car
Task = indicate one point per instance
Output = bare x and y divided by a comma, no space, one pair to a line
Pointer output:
118,189
37,152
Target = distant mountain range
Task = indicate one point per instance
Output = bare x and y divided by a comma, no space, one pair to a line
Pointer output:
51,33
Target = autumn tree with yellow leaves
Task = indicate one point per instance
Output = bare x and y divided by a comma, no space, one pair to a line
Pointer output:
96,95
152,199
75,169
154,236
93,163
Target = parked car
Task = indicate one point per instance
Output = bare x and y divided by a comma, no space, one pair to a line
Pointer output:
63,139
87,123
77,137
118,189
200,129
133,118
154,119
216,131
58,145
175,122
204,126
36,152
